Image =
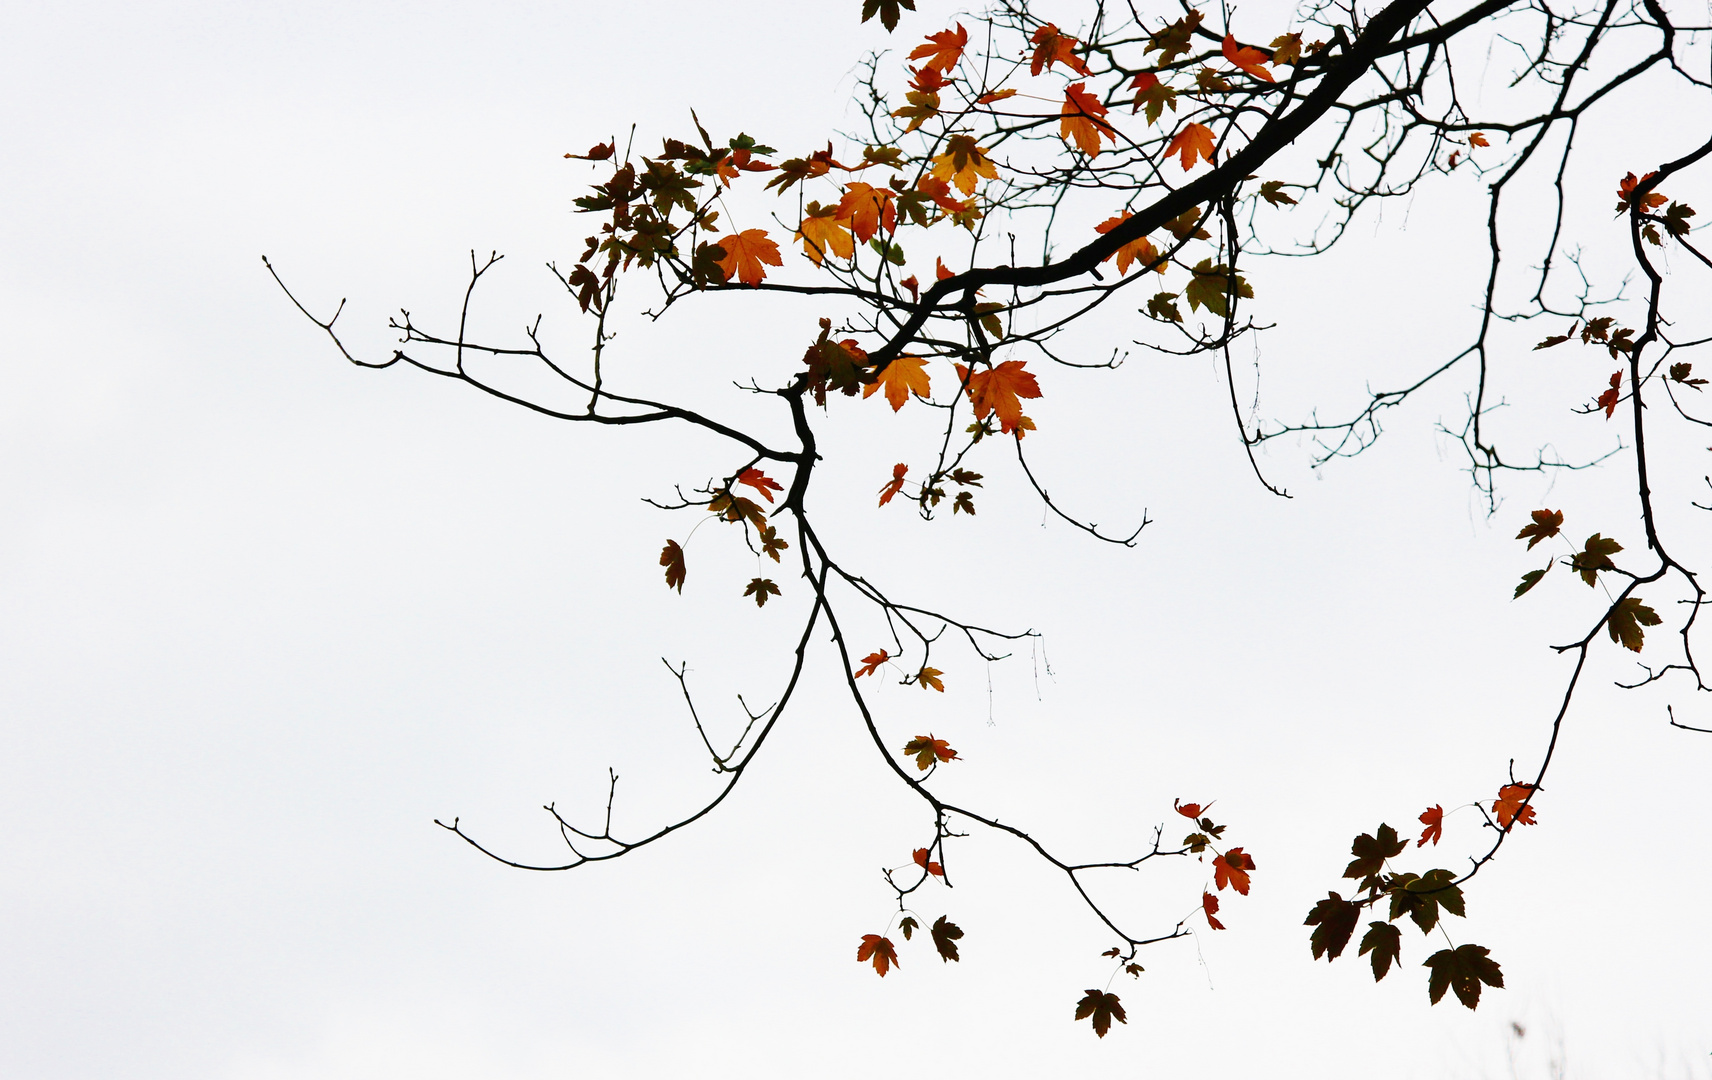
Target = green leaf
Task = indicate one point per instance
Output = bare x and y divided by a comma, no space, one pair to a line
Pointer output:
1385,942
1421,897
1163,306
1213,286
1462,970
1334,920
1273,192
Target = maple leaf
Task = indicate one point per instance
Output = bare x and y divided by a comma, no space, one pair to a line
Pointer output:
760,589
1213,286
1477,139
1163,306
1676,219
1149,91
943,49
1679,373
1546,525
1173,40
998,391
928,749
770,542
887,10
896,484
672,558
1385,942
1139,250
1247,58
1082,121
823,233
1273,192
945,935
1626,192
1232,869
964,504
1556,339
1194,141
904,376
597,152
1134,970
929,676
871,663
1052,47
1462,970
1103,1008
759,480
1333,920
1371,851
1190,810
1608,400
1626,620
1509,808
1529,580
1433,818
1421,897
1184,226
737,508
745,252
921,860
1595,556
908,925
1287,49
1210,908
964,164
868,209
880,951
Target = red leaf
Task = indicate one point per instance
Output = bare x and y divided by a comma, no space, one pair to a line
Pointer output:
943,49
1232,869
1052,47
1210,905
1608,400
1247,58
1509,806
1190,810
920,856
895,485
871,663
759,480
926,748
879,950
1433,819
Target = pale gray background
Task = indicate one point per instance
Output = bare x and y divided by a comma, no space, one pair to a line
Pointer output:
265,616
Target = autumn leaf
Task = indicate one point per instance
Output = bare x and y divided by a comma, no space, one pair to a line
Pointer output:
1184,225
1462,970
904,376
771,545
964,164
887,10
1626,191
1385,942
745,252
1371,851
908,925
1103,1008
1052,47
1149,91
871,663
1626,620
737,508
998,391
1082,121
1232,869
928,749
1190,810
1509,808
1546,525
1273,192
1333,920
760,589
929,676
672,558
1140,250
597,152
1247,58
1174,39
1529,580
868,209
1680,373
895,484
943,49
1287,49
879,950
1595,556
945,936
759,480
1210,908
1194,141
1420,897
1212,287
1433,818
1556,339
1163,306
823,233
1609,398
921,860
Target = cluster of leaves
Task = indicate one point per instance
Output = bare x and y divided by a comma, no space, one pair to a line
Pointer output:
1628,613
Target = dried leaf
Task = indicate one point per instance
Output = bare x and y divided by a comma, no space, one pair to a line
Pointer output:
945,937
879,950
1625,622
1103,1008
1546,525
672,558
760,589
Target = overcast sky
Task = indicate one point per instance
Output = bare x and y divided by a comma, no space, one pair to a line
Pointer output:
264,616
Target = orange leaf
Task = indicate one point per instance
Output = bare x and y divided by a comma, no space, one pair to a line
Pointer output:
879,950
904,376
941,272
997,391
1433,819
1509,806
943,50
933,868
1626,190
1139,250
996,95
868,209
672,558
1081,121
1052,47
1232,869
745,252
1609,399
871,663
1210,906
823,233
760,481
1190,810
929,676
1195,140
927,749
895,485
1477,139
1247,58
964,164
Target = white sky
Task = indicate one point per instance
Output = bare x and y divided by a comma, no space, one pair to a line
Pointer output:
265,616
